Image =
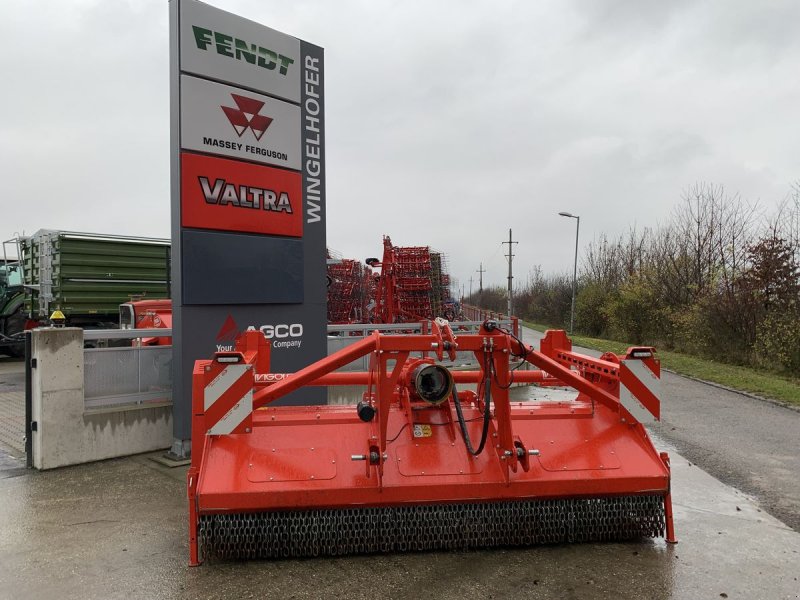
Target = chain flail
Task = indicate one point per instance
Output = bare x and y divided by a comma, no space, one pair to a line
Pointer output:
284,534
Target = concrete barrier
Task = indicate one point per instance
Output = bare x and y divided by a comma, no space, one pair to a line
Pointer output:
65,433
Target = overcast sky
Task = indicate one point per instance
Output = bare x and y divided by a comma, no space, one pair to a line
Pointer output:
447,122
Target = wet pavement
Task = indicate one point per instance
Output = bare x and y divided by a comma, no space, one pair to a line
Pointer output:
12,403
118,529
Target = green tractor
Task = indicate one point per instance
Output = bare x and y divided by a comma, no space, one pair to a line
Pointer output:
12,310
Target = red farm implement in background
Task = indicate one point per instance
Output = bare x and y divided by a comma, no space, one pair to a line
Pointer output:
147,314
413,285
429,458
349,291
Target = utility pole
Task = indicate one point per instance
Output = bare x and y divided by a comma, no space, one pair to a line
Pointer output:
510,257
480,285
470,288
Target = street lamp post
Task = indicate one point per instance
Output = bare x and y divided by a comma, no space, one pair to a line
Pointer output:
574,269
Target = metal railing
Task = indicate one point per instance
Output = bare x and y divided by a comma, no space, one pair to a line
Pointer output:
340,336
131,375
360,329
479,315
125,334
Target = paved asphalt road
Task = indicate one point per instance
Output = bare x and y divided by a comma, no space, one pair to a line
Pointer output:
749,444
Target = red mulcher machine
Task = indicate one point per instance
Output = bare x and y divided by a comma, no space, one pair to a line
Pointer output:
419,463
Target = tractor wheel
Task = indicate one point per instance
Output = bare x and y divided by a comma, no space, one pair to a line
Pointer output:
15,325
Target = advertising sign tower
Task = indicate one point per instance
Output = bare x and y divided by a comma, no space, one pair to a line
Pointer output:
247,195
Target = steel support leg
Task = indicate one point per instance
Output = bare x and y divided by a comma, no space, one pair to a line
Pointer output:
194,555
670,537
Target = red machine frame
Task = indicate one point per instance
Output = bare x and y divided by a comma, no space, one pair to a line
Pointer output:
249,456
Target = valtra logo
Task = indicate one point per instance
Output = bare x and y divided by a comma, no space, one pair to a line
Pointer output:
230,195
246,116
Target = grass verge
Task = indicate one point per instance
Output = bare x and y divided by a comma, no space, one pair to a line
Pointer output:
747,379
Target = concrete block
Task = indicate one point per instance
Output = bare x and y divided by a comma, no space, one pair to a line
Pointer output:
59,357
56,441
66,432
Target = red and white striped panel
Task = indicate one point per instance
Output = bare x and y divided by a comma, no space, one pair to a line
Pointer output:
228,400
640,387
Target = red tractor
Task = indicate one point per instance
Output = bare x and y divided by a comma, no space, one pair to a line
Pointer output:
147,314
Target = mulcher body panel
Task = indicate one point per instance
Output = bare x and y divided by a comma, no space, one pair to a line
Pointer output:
300,457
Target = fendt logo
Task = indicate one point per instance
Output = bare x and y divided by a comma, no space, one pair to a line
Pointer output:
246,116
238,49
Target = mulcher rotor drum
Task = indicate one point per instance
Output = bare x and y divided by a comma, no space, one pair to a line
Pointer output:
298,534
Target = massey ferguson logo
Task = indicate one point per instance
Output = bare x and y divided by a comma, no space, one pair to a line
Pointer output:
222,192
246,116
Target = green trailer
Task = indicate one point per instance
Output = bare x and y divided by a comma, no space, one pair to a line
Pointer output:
86,276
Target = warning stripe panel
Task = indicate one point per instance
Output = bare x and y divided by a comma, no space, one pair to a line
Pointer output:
236,419
228,400
220,384
642,384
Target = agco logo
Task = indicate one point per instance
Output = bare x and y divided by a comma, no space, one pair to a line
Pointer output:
226,336
294,330
246,116
282,335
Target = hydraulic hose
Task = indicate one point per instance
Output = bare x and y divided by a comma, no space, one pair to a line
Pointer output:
487,414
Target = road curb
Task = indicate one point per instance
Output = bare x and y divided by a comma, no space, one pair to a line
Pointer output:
734,390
